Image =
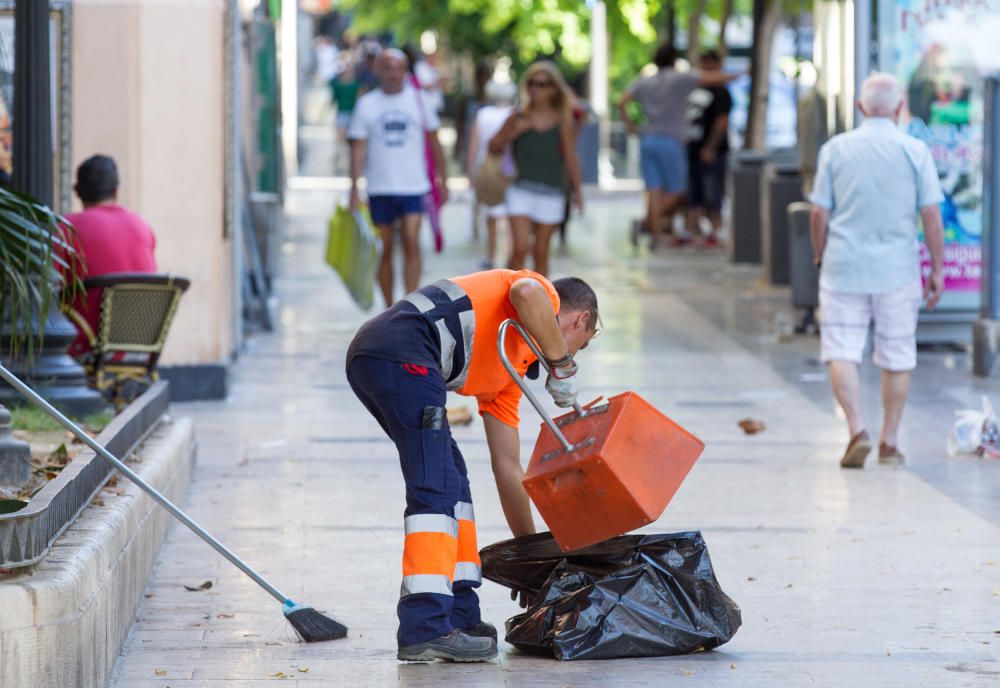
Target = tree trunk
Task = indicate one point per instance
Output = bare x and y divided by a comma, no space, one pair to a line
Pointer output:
767,15
694,23
727,12
671,38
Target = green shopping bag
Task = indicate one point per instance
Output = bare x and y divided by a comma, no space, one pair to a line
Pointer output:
352,250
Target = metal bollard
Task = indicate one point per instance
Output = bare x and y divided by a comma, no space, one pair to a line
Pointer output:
15,454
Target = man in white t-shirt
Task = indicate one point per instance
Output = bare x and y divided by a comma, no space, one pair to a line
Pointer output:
387,134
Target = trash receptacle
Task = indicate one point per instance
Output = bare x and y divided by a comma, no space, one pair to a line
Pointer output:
587,147
782,185
744,240
804,273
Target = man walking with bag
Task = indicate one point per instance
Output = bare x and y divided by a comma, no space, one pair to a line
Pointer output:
871,185
389,132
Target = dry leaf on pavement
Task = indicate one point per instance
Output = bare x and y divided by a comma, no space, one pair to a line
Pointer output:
207,585
751,426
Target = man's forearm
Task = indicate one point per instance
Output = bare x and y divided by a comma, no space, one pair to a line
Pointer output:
514,499
505,447
934,236
817,231
626,119
357,160
718,78
720,129
534,310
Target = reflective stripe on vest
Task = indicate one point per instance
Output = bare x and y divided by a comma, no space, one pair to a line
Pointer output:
468,566
449,309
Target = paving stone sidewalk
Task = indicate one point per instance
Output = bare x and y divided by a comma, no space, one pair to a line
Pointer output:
881,577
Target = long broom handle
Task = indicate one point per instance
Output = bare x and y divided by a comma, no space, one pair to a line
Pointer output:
33,396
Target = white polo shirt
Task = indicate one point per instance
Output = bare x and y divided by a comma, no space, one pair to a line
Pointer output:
874,180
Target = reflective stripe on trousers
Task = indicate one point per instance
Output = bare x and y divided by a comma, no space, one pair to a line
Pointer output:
429,554
468,567
440,550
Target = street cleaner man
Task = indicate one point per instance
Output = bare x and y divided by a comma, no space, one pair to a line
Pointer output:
401,364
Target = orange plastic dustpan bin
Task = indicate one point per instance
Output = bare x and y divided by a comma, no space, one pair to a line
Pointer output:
604,471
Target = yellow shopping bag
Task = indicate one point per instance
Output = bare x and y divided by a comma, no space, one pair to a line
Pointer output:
352,250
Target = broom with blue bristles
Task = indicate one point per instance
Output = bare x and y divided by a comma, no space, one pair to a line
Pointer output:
307,622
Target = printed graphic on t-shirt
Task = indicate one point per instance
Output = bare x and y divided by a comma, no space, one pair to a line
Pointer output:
698,102
396,126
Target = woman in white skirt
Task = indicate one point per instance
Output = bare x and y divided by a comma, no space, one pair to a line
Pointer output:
540,135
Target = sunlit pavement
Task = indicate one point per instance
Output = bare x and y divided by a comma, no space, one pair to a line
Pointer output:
880,577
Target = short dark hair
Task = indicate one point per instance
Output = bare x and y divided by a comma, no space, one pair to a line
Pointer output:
711,55
96,179
577,295
665,56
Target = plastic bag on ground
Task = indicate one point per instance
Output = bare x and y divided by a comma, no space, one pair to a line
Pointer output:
631,596
975,432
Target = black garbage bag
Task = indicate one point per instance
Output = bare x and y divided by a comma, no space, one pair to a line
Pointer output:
631,596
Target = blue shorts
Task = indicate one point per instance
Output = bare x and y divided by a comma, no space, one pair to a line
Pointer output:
664,163
386,210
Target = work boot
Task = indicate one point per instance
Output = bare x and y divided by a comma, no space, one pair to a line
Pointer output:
454,647
481,630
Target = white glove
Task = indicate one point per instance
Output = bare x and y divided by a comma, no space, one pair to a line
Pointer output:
562,385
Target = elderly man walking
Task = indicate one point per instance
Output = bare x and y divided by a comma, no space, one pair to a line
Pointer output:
871,185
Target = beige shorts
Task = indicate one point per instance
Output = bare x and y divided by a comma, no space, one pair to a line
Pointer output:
844,320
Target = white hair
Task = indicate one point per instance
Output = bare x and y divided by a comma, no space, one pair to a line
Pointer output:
881,95
500,93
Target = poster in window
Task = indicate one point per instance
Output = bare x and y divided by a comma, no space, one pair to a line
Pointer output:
940,51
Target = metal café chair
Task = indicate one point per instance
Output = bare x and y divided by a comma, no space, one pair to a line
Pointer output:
136,312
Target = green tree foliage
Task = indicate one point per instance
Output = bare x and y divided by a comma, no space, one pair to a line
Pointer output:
524,30
527,30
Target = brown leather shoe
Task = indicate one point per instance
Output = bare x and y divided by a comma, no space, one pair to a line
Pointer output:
857,451
889,455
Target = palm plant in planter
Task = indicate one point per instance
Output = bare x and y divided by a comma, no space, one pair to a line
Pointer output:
38,268
38,276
